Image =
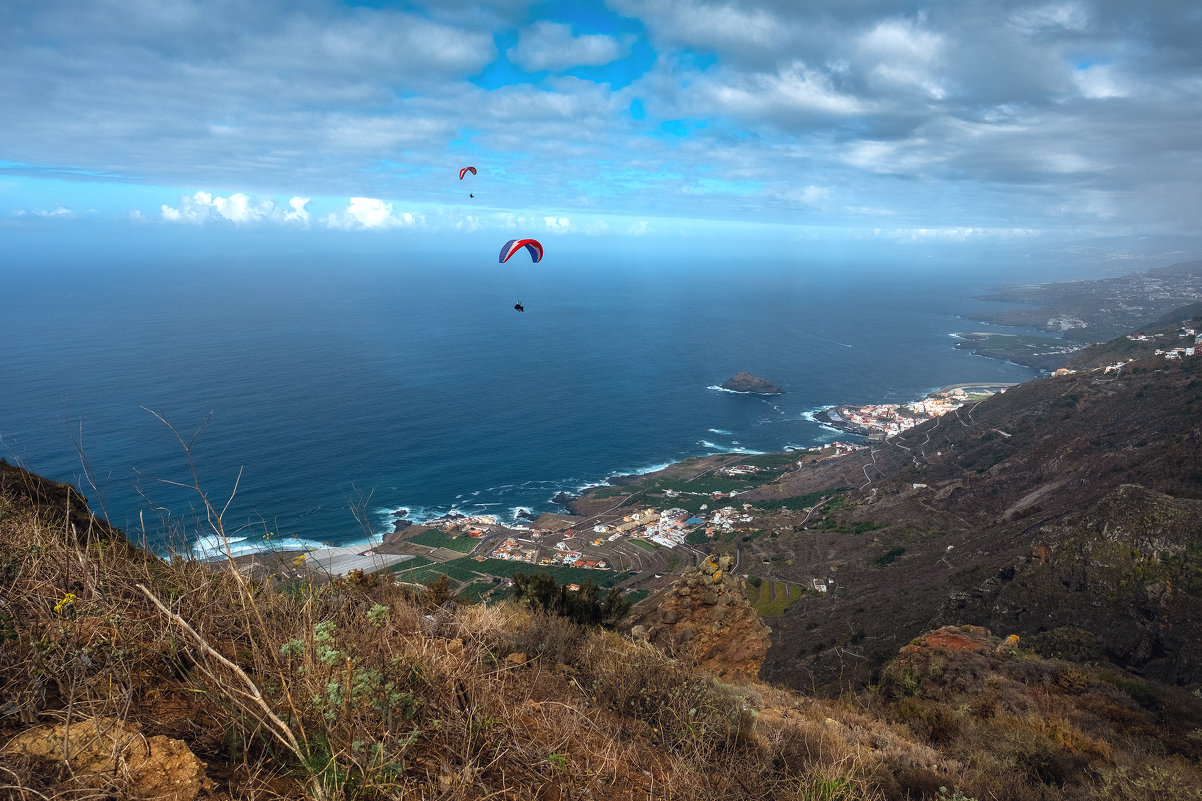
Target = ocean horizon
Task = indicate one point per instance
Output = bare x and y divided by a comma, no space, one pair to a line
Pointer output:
322,398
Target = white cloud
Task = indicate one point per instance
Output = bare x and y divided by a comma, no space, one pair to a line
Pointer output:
1053,16
512,222
888,157
1063,162
954,234
299,213
551,46
795,88
368,213
238,209
60,212
725,27
1100,81
902,54
557,224
902,40
810,196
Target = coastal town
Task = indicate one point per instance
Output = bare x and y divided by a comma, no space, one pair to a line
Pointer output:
669,520
881,420
636,546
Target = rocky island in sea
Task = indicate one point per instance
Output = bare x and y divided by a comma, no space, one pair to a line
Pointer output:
744,381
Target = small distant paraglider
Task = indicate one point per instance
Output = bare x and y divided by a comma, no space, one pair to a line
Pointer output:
464,172
514,245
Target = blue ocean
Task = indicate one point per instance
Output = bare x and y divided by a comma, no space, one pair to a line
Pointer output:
310,400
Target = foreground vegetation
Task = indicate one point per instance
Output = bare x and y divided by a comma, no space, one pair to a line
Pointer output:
125,676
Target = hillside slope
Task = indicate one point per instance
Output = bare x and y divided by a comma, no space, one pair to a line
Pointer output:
126,677
1067,510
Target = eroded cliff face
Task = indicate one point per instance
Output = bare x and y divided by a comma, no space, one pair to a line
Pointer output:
1120,579
705,617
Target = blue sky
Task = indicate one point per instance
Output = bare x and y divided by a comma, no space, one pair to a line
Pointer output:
983,121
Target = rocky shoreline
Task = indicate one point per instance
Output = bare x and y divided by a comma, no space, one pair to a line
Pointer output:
830,417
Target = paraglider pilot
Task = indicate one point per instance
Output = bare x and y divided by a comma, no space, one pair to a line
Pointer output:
519,307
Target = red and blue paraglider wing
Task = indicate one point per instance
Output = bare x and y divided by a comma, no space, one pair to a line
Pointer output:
465,171
514,245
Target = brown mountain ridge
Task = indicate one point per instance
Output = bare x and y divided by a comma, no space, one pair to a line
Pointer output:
1067,510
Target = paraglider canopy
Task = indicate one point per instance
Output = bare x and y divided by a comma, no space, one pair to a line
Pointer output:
465,171
514,245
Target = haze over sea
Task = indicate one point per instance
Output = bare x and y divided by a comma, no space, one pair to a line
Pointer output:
342,389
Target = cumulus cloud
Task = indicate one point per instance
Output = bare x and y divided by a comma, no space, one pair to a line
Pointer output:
512,222
369,213
299,213
557,224
552,46
237,209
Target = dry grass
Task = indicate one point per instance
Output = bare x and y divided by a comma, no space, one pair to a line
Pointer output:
363,689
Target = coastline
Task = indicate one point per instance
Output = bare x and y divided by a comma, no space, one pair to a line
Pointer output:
574,501
868,422
876,421
831,418
828,417
388,549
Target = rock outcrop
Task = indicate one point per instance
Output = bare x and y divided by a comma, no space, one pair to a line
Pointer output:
706,618
744,381
105,753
